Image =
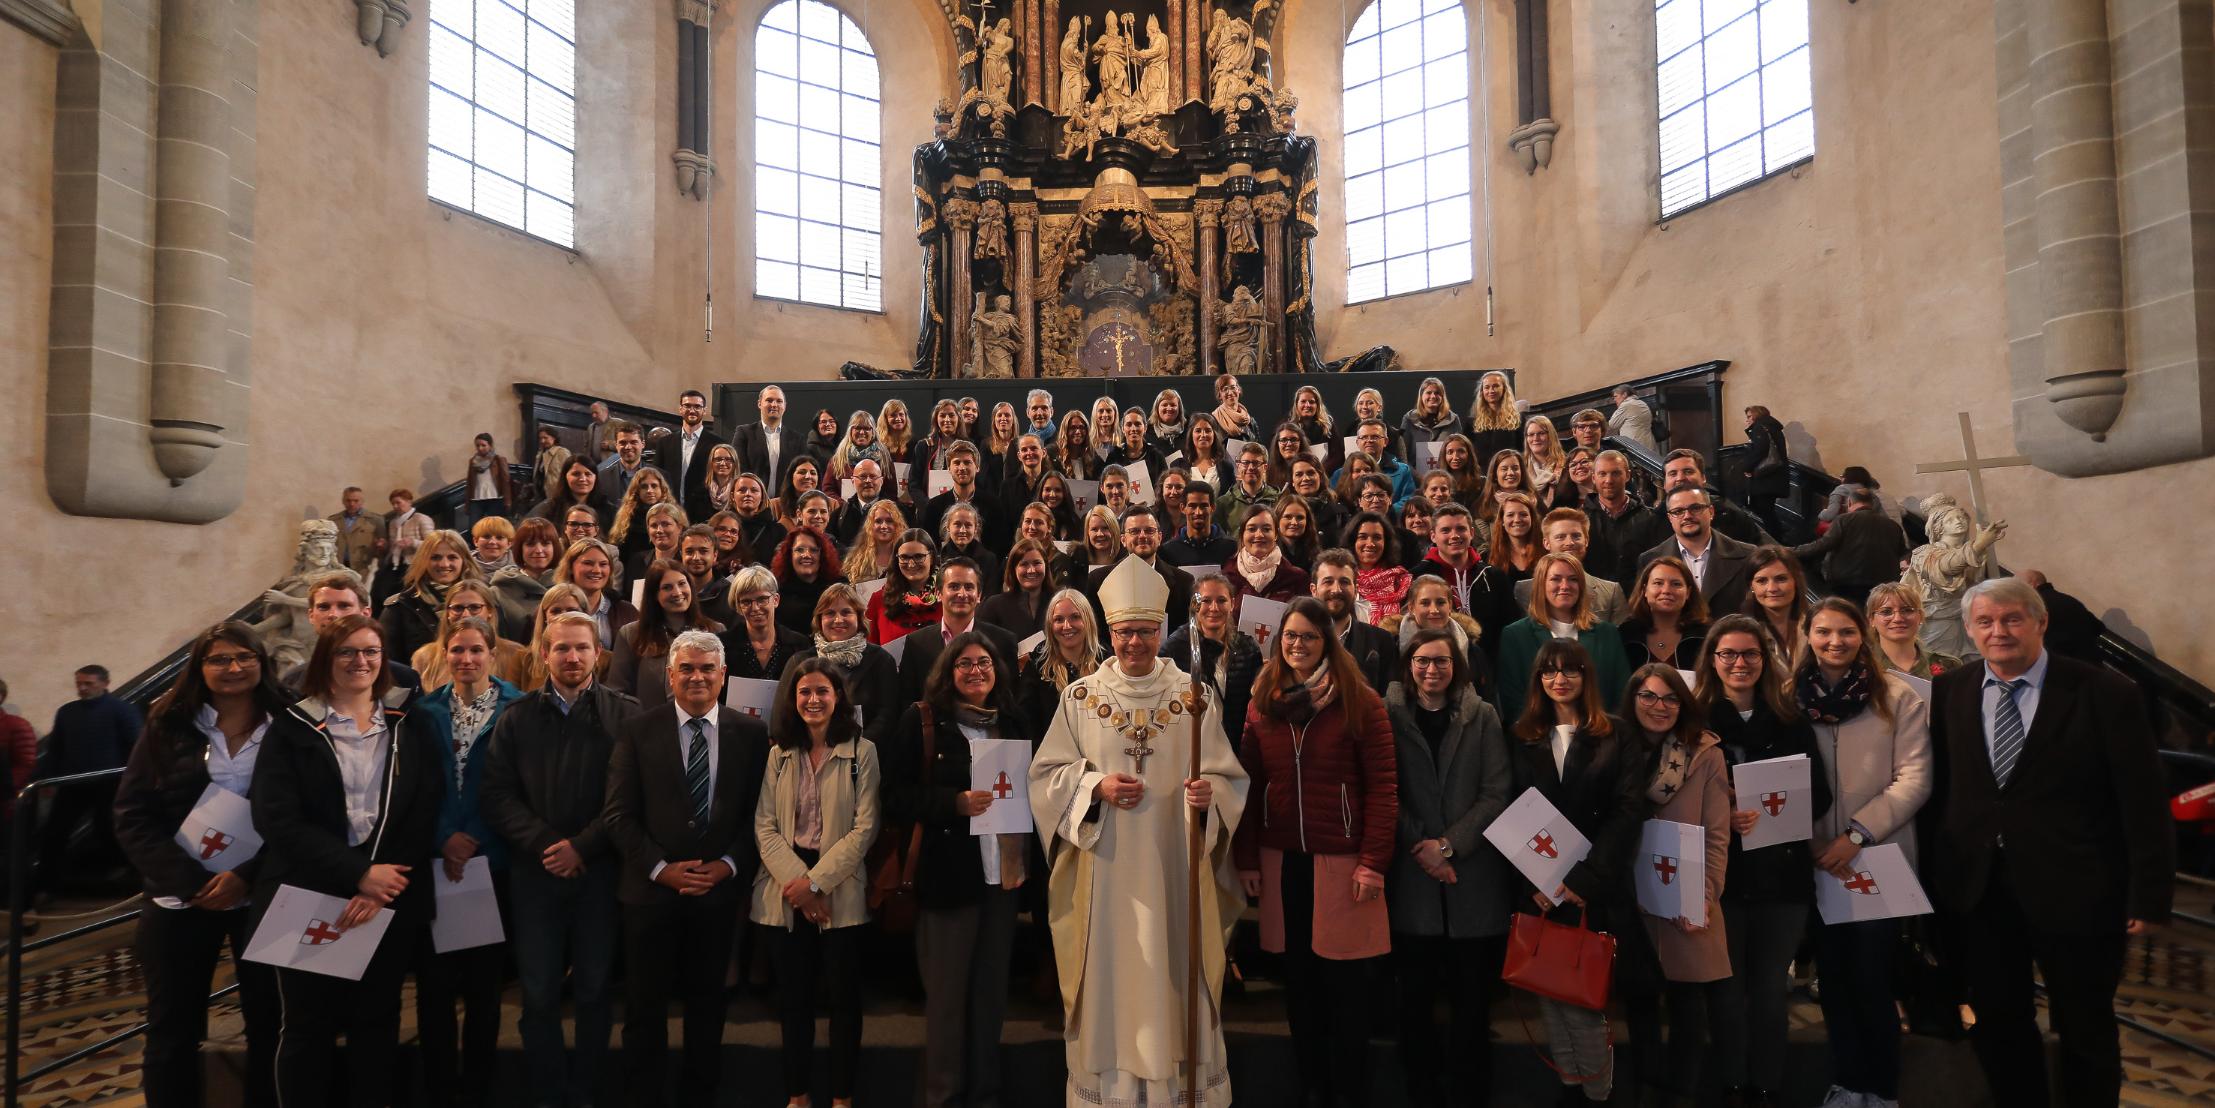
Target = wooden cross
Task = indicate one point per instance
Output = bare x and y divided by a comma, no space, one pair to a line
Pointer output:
1974,467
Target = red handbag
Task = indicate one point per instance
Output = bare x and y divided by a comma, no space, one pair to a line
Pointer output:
1570,964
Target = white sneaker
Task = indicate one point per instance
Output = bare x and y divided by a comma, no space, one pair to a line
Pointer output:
1841,1097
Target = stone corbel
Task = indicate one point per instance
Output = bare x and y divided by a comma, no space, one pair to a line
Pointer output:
379,22
695,173
50,20
695,166
1533,143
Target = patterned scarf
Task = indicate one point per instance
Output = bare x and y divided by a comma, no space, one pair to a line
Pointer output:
1299,701
843,653
1258,572
1838,703
1669,767
1385,588
471,718
970,715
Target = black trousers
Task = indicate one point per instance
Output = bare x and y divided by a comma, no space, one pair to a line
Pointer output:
1999,945
316,1009
179,949
93,801
1466,971
810,958
678,948
458,1055
1326,1000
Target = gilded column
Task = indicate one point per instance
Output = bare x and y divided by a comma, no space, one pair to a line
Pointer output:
1273,207
1175,20
1207,216
1195,49
1030,34
1025,219
1049,48
961,222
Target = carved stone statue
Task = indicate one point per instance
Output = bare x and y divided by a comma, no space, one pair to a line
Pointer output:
1074,86
1243,328
993,337
992,230
1059,329
1238,227
1153,80
1114,53
1958,556
999,72
1232,51
284,627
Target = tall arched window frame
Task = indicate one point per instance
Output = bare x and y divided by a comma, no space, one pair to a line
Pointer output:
818,164
1407,149
503,106
1737,101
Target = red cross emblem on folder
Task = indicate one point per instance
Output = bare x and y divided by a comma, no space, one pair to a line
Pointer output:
1773,803
1542,844
1666,867
319,933
213,843
1002,789
1863,883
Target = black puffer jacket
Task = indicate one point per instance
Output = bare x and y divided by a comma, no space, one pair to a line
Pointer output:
1784,872
300,810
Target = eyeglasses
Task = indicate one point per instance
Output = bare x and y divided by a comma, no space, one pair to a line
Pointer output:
231,661
1689,509
1431,663
1738,657
1894,613
905,558
1133,634
352,654
757,600
1562,671
972,665
1648,698
1299,638
476,609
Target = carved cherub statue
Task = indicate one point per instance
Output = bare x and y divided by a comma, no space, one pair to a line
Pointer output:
284,627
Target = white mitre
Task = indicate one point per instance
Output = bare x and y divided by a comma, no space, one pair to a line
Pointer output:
1134,591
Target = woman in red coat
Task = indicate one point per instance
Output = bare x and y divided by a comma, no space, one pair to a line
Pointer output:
1319,747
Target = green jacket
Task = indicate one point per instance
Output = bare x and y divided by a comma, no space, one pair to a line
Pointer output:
1518,648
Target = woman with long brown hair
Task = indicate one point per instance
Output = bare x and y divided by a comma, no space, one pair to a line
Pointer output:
1667,619
1320,736
1074,457
668,608
909,599
1776,594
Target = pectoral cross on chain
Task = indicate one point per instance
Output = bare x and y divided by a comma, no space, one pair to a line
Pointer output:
1138,753
1142,732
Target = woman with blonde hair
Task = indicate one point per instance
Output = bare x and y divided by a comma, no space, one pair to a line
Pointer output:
871,554
648,487
1311,415
1166,423
1495,423
1432,419
665,525
1543,458
411,616
1368,405
1074,457
590,565
1103,540
559,598
896,430
859,442
1429,606
758,646
998,447
1231,417
722,476
1560,608
1070,650
1896,610
467,600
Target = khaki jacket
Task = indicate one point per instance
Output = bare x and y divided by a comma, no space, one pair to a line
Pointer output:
357,545
849,826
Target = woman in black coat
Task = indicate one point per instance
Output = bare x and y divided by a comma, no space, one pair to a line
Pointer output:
969,886
872,677
1019,608
1232,675
1748,703
346,798
206,730
1591,776
1768,466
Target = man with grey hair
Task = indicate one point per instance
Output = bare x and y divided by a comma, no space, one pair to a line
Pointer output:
1633,421
853,512
682,784
2053,846
597,446
1039,406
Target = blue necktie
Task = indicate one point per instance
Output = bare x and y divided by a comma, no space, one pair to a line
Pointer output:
696,770
2007,732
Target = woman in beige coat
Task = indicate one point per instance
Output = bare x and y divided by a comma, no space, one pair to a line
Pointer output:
1873,733
814,823
1686,782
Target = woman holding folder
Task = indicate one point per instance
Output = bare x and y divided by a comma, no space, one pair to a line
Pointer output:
1748,704
205,733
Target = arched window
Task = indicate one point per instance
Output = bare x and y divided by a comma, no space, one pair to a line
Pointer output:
1407,149
1736,100
504,113
817,162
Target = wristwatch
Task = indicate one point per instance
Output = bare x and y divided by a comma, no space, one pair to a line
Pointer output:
1445,849
1855,836
815,888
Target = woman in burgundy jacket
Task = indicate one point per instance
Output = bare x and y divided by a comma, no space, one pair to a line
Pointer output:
1319,747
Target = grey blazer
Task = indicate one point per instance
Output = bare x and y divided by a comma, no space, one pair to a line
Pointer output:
1454,794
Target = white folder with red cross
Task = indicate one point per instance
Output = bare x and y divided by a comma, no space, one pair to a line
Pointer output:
1778,793
1001,767
753,696
1882,886
300,931
1670,871
219,831
1538,841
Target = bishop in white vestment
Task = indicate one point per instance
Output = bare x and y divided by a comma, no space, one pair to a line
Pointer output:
1109,793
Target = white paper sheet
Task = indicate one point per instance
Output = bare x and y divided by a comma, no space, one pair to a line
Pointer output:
1883,886
638,593
897,648
1538,841
468,909
937,481
1260,618
1231,447
300,931
1000,767
1427,456
1921,685
219,831
1671,870
863,590
1082,496
846,488
900,475
752,695
1023,649
1321,452
1142,483
1780,792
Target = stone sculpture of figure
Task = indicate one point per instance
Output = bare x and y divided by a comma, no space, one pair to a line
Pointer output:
284,628
993,331
1242,330
1231,50
1958,556
1114,52
1074,87
1153,78
992,230
999,72
1238,227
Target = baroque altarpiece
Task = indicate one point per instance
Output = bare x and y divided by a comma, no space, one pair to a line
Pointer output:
1113,189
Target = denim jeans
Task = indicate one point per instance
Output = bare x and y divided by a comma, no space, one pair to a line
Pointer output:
1855,960
564,927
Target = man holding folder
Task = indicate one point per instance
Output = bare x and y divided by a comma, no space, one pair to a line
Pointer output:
681,790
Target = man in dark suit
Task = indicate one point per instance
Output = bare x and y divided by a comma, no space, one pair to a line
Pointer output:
853,511
682,783
960,589
1723,565
1863,548
1142,540
2054,845
1684,466
1374,650
687,450
766,448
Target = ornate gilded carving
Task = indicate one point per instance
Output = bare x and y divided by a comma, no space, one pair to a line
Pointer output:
1209,213
992,230
1234,51
961,214
1272,207
1116,193
926,212
1170,320
1024,217
1060,333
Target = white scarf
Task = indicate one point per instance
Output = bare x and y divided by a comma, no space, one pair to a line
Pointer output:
1258,572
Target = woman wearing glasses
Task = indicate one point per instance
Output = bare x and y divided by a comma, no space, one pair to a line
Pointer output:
1747,701
759,647
909,599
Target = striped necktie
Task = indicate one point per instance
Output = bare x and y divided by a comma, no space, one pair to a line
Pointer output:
696,770
2007,732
